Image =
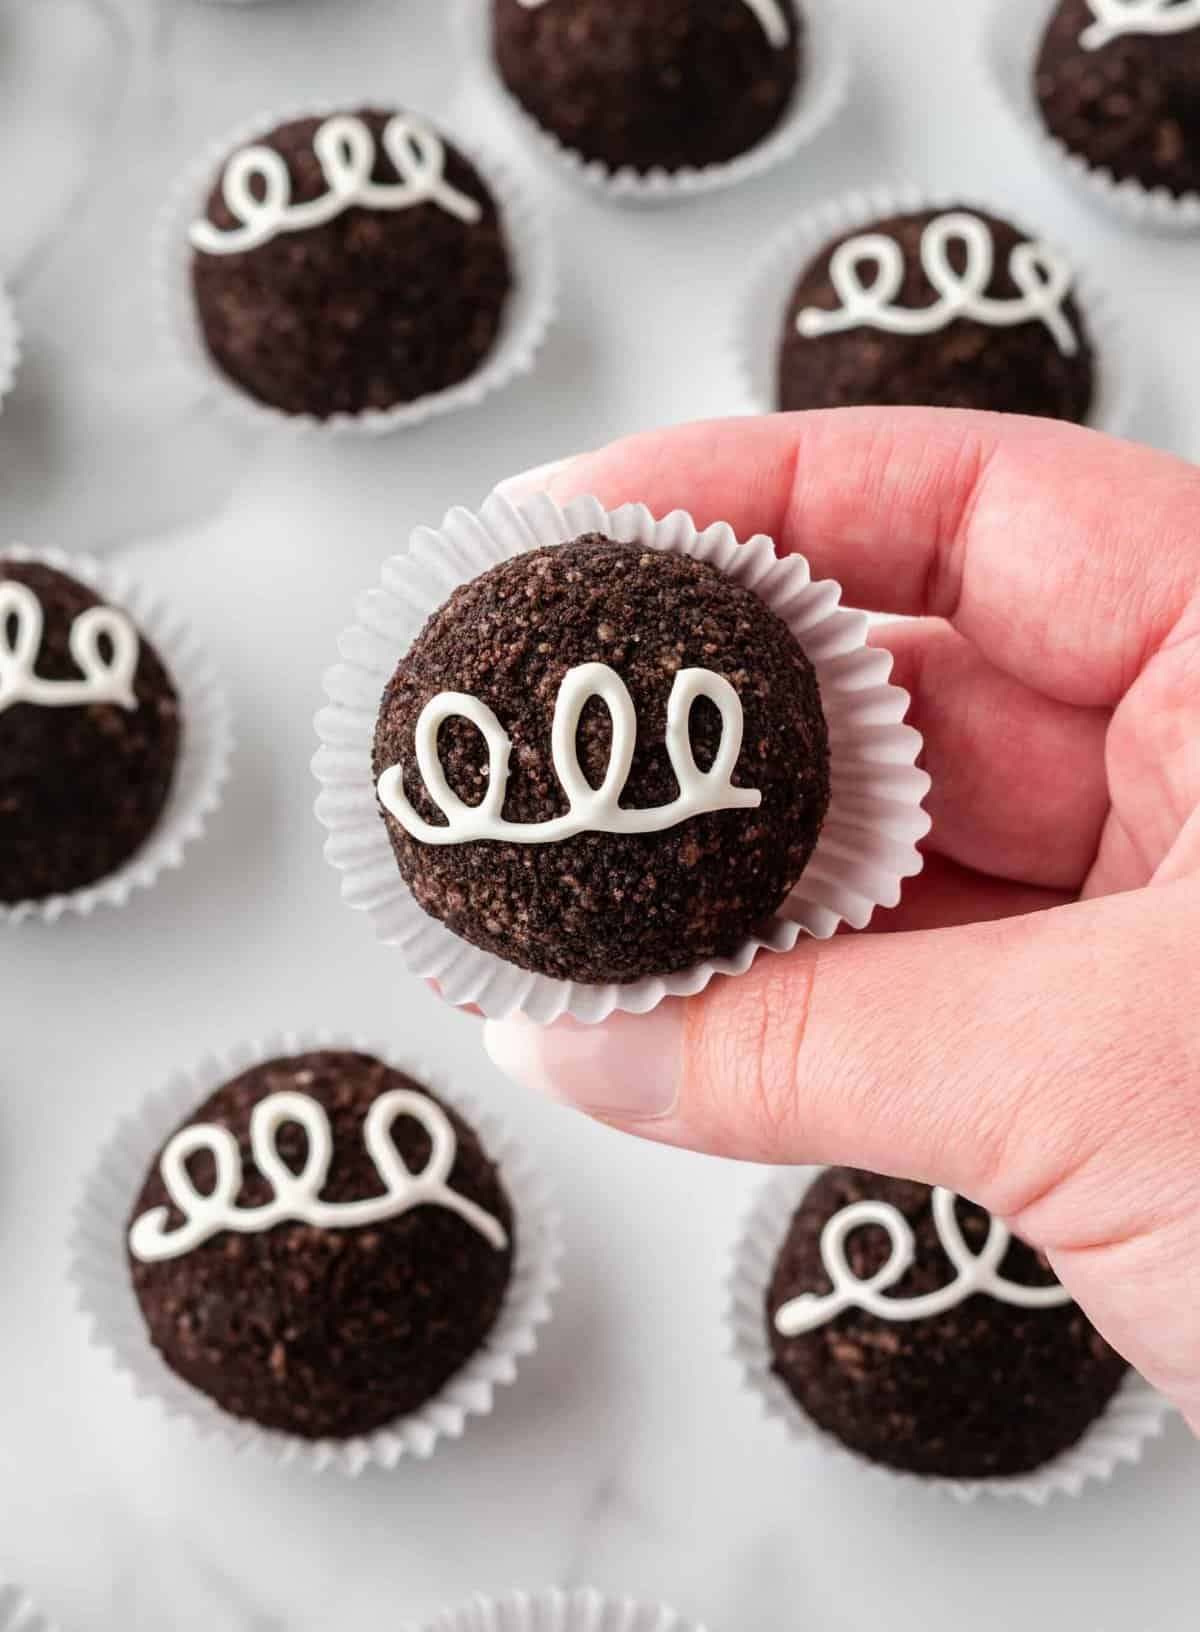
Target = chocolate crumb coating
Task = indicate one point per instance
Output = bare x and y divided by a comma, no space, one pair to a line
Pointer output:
327,1333
967,364
81,787
985,1391
602,907
649,84
1132,107
369,310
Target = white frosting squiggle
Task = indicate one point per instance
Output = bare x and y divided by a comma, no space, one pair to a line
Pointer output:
103,680
1041,274
973,1273
345,150
297,1196
592,810
769,13
1115,18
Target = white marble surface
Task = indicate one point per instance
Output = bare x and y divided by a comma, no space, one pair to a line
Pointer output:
625,1455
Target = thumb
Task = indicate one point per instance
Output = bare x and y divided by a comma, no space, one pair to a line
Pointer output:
996,1059
1047,1067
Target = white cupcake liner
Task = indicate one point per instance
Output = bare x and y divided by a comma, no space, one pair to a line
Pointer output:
759,326
819,99
100,1269
10,345
580,1610
528,315
868,844
1136,1413
206,741
17,1613
1015,34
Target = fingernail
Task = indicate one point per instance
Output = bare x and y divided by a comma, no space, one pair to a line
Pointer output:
629,1069
531,481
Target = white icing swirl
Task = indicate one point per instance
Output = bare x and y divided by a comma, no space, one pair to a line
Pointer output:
973,1273
1041,274
1115,18
592,810
770,14
345,150
297,1196
102,680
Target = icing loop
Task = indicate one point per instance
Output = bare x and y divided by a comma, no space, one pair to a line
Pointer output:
1115,18
104,680
770,14
1041,274
973,1273
297,1196
345,150
592,810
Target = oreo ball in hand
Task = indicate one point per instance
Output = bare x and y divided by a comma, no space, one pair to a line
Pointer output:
665,880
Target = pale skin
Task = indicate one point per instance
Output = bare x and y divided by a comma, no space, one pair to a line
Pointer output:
1027,1030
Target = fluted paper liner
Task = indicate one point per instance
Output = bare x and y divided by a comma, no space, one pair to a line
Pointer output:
1015,34
100,1269
10,345
17,1613
762,313
1135,1414
580,1610
206,740
819,98
528,314
867,846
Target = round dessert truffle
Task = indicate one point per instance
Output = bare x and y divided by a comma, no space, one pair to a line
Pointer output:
673,876
946,309
350,1299
89,735
349,263
652,84
1123,92
981,1388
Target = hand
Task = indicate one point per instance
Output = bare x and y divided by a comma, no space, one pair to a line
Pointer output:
1031,1036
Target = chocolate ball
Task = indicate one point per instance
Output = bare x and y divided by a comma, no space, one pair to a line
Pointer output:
983,1391
1130,105
327,1332
964,363
601,906
82,785
370,309
651,84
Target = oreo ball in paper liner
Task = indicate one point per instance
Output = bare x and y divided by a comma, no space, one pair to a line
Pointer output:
1106,92
654,84
911,1329
605,765
353,269
945,308
662,100
1119,85
349,263
895,296
321,1256
114,738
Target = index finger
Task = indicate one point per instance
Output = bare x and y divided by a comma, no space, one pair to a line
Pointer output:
1064,555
